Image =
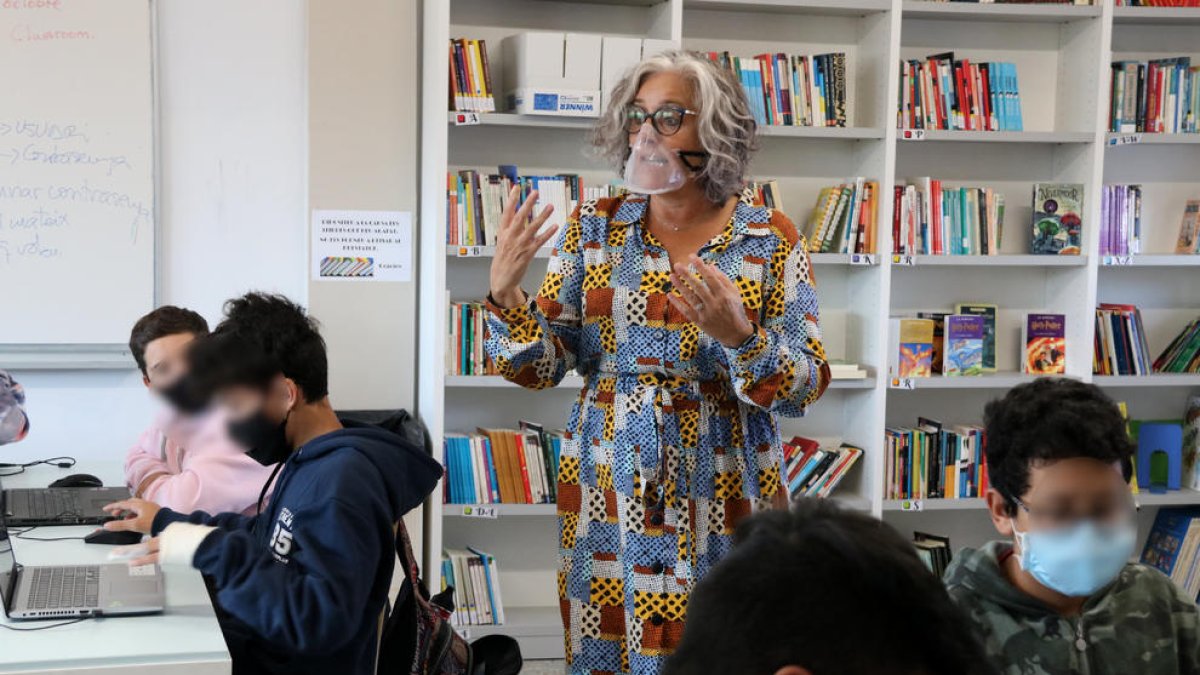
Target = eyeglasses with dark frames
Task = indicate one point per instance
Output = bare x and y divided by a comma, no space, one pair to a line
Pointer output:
667,120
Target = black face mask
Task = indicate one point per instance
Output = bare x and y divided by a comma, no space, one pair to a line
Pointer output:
183,395
267,441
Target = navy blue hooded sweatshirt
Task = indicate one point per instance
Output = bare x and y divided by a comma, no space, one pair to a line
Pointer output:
301,586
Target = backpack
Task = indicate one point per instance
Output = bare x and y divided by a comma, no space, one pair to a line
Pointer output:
417,638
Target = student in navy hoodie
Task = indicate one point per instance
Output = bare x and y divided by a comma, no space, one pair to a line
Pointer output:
300,586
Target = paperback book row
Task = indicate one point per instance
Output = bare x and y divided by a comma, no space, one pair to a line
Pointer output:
1022,2
844,218
945,93
1121,346
502,466
1158,96
475,202
475,578
930,461
790,90
931,219
465,354
815,471
470,77
963,343
1174,547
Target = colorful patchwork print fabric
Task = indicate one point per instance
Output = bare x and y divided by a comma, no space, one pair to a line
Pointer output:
673,438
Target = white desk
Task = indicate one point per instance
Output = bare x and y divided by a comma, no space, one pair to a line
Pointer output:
184,639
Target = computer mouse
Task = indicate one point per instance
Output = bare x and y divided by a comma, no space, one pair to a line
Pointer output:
78,480
124,538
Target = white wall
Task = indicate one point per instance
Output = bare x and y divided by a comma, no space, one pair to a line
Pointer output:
233,153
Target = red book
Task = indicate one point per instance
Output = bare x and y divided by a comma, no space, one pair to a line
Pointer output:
897,199
519,447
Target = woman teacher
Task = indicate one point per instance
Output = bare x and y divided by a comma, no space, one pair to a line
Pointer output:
692,316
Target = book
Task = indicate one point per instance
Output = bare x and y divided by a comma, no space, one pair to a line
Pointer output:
811,470
1189,229
912,347
1121,220
988,312
944,92
475,578
934,219
843,218
791,90
937,358
934,551
1154,96
1057,223
1045,344
470,77
1120,343
1173,547
502,466
964,345
933,461
1182,355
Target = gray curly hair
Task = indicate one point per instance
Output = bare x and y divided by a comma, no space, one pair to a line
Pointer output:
727,129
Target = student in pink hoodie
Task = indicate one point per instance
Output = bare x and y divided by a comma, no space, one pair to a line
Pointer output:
185,461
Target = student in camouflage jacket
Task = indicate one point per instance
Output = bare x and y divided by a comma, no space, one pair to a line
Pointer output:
1063,598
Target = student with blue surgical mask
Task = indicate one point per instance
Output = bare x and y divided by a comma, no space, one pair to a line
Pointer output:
1063,596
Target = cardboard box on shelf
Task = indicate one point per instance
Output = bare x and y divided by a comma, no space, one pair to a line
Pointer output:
553,73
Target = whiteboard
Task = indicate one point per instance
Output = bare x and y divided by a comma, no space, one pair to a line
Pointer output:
77,223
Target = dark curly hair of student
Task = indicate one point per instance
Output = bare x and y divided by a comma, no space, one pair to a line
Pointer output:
831,591
1047,420
262,336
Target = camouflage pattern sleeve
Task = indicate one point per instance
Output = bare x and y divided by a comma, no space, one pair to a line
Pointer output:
14,424
782,366
535,344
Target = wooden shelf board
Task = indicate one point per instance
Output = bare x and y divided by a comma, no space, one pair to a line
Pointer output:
502,510
1059,137
818,7
1024,13
1172,16
996,261
1155,380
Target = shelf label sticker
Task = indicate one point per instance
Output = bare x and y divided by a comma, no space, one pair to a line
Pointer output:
469,251
912,134
1125,139
904,383
1117,260
465,119
904,259
489,512
911,505
866,259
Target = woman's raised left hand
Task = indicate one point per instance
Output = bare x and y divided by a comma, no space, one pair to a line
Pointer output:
710,300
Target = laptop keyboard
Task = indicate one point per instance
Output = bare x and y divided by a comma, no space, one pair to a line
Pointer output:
64,587
50,503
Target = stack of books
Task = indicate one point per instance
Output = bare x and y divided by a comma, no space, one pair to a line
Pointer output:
1189,229
843,220
841,370
1174,547
1121,220
814,471
476,581
502,466
947,93
934,220
786,90
470,77
1157,96
766,194
465,354
1120,342
932,462
475,202
934,551
1183,354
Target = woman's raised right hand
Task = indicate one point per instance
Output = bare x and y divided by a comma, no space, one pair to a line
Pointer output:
517,242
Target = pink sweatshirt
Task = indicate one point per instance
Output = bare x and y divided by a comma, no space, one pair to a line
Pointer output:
205,471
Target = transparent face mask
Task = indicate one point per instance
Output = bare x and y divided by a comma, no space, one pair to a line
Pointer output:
653,168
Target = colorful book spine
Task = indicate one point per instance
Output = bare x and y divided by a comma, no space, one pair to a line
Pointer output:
502,466
791,90
945,93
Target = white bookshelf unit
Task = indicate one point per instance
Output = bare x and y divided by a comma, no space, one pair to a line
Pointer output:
1062,55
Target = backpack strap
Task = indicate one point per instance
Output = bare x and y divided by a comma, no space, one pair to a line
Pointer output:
404,550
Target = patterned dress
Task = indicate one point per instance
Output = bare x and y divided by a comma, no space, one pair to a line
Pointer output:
673,438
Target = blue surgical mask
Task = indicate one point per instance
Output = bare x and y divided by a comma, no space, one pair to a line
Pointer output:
1076,560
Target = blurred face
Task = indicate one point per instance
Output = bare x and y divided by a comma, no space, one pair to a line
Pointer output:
1065,492
240,402
166,360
